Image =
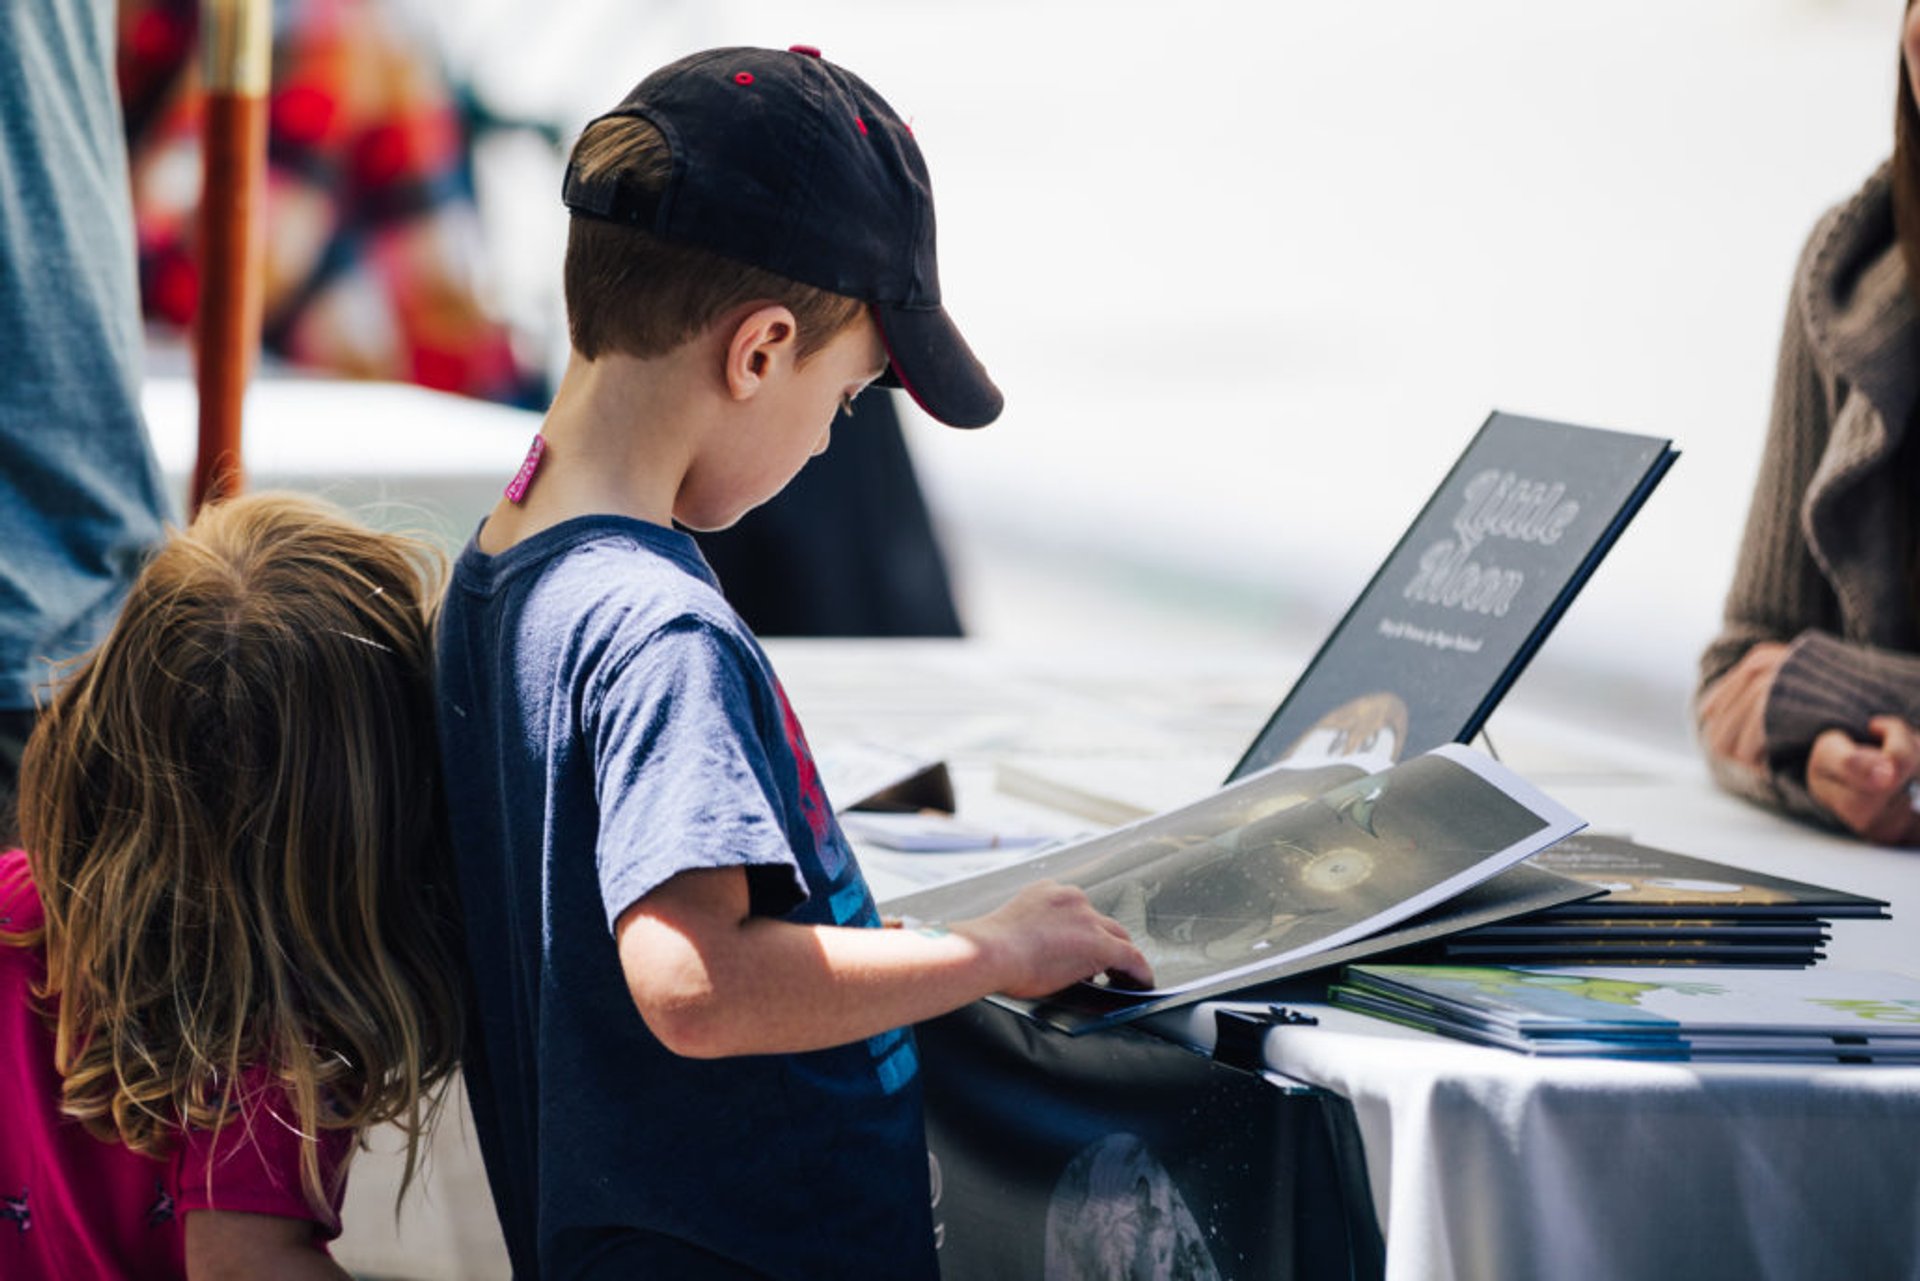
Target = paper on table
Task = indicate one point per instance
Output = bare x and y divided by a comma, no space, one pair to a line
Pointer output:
933,833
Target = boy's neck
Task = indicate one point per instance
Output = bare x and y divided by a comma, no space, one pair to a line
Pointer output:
620,437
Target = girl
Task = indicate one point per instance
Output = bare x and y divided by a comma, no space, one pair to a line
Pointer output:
229,945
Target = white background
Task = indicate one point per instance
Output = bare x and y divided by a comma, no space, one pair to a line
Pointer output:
1252,273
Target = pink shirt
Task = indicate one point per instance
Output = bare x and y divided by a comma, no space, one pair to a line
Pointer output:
74,1206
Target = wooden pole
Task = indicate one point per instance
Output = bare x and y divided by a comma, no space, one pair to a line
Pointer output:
237,53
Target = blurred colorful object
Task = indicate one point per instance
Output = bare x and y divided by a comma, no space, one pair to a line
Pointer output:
236,70
373,245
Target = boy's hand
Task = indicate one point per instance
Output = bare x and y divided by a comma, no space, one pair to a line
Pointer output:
1050,937
711,979
1868,787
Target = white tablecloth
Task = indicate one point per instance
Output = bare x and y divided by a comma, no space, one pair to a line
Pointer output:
1487,1164
1483,1164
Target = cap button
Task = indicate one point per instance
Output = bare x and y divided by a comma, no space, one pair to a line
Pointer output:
810,50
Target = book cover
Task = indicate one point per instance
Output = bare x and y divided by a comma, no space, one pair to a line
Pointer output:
859,775
1733,931
1516,891
1634,952
1646,882
1467,596
1814,1014
1281,866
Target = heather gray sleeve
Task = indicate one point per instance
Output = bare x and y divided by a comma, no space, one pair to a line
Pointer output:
1827,683
1778,591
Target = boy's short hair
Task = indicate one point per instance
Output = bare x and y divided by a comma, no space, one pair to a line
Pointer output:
632,292
781,164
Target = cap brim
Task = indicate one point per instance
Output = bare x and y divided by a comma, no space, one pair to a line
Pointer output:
931,362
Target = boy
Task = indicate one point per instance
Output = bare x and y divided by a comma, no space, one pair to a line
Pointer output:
689,1058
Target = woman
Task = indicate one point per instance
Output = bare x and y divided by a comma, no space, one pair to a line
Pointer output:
1810,696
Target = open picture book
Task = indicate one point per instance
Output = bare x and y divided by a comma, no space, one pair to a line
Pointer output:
1283,866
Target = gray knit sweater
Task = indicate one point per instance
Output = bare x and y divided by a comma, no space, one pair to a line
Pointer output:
1827,561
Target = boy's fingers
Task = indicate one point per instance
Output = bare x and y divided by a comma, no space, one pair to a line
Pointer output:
1129,964
1134,972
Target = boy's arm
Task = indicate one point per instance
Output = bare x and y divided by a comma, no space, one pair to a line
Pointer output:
711,979
224,1245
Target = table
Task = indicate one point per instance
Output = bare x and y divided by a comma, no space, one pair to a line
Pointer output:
1481,1164
1486,1164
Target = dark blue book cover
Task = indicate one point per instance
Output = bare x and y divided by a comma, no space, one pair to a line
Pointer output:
1467,596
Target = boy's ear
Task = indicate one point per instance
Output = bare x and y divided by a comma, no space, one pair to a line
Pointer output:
762,340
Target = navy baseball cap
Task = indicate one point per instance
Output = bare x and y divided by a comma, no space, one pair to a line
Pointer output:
790,163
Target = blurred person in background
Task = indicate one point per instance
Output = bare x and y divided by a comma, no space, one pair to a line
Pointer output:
1809,698
81,499
374,251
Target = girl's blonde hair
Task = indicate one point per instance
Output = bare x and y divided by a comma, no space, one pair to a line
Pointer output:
232,813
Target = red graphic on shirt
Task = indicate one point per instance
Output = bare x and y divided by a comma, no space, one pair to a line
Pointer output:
813,798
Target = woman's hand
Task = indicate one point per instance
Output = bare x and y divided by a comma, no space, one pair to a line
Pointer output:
1733,714
1869,788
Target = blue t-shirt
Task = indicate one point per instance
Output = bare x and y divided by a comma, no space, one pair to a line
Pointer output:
81,498
607,722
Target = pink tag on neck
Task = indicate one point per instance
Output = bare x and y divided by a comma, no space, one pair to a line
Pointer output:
517,487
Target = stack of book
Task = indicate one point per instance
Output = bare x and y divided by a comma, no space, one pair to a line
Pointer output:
1814,1016
1657,907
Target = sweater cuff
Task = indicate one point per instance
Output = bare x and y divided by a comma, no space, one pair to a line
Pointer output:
1826,683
